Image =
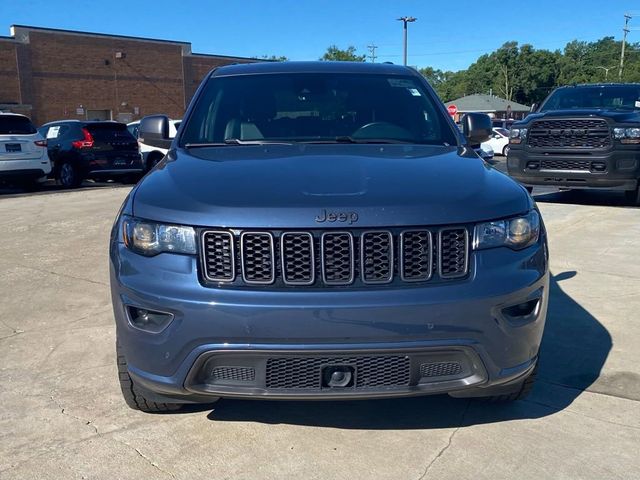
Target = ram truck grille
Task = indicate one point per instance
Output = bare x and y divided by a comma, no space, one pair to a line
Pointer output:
569,134
333,258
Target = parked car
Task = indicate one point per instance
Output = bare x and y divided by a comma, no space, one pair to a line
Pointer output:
499,141
485,151
152,155
91,149
582,136
23,152
321,230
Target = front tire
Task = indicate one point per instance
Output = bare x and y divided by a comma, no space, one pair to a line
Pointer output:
520,392
505,151
134,396
69,176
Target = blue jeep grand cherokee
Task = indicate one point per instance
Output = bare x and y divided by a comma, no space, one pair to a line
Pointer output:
323,231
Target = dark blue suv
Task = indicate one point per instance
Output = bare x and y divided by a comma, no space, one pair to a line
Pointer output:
324,231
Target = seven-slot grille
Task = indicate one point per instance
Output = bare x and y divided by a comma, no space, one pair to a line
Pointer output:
334,258
576,133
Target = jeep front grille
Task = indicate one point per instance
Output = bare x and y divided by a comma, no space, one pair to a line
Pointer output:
588,133
334,258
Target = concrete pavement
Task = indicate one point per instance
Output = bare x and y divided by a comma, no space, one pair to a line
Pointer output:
62,415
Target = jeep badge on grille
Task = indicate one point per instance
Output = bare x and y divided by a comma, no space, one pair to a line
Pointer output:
325,216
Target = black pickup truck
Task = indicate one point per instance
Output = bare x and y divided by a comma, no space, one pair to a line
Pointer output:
582,136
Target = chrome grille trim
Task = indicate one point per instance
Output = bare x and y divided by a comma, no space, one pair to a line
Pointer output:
323,258
465,270
364,252
401,262
283,258
243,256
205,268
316,258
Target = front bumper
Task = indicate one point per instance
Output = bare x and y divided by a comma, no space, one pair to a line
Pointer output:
264,341
620,168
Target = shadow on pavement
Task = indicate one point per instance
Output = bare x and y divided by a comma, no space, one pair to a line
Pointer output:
50,187
583,197
574,349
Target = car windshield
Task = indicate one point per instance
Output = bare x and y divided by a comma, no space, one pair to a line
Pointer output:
16,125
611,96
317,108
502,131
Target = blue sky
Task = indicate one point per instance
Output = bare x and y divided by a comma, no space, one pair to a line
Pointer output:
449,34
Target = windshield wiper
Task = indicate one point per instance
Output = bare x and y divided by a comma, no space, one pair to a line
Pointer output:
348,139
234,141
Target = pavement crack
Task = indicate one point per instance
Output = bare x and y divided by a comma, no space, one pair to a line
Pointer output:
14,330
449,442
146,458
64,411
64,275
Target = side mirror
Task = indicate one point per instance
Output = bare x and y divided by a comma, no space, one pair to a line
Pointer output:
154,131
534,108
477,128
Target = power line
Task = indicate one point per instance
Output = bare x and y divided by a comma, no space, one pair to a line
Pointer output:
372,54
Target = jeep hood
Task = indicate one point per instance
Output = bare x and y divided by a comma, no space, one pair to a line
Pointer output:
287,186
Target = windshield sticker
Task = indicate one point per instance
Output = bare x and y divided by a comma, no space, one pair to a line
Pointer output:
415,92
637,103
401,82
53,132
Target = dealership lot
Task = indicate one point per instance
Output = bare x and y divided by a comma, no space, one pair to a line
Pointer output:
63,416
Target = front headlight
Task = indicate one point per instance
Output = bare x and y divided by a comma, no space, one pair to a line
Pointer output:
517,135
516,233
150,238
627,135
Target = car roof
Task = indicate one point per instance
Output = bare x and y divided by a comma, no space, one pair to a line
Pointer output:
601,85
311,67
81,122
11,114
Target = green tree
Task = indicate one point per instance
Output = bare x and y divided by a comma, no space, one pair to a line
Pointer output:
274,58
348,55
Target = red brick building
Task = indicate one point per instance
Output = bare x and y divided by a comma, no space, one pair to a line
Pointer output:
51,74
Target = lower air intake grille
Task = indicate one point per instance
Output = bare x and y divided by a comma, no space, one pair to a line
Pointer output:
565,165
237,374
305,372
440,369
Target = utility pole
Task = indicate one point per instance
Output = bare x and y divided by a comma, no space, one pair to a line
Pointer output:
626,30
372,50
404,21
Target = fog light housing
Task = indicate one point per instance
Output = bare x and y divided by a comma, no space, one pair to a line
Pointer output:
150,321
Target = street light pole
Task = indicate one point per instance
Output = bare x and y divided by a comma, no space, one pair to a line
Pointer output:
606,71
404,21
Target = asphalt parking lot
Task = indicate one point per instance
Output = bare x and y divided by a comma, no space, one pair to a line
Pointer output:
62,414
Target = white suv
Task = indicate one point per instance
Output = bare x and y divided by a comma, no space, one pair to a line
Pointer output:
152,155
23,152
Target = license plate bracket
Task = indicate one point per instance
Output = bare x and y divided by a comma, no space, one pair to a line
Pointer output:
13,147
